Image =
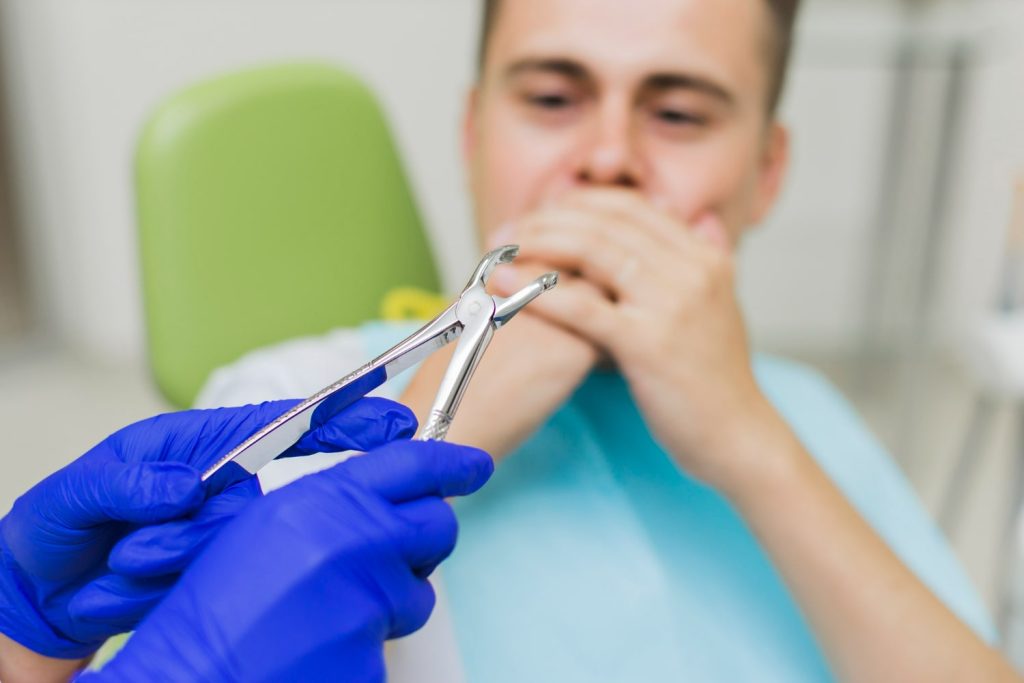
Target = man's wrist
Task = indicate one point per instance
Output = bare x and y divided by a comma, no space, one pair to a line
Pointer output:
756,453
18,664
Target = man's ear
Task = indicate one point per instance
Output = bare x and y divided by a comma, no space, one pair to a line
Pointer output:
774,164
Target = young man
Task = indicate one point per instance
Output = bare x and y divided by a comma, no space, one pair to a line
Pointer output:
656,515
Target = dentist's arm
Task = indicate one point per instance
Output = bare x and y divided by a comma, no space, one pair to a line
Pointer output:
18,664
87,552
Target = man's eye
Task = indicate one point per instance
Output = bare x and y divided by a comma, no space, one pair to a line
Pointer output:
549,101
679,117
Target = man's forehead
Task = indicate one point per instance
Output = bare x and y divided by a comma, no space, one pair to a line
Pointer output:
721,40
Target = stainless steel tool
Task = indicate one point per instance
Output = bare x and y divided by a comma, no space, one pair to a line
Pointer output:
472,319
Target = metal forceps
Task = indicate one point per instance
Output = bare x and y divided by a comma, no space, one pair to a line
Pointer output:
472,319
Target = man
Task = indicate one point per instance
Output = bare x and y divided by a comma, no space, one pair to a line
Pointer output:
656,515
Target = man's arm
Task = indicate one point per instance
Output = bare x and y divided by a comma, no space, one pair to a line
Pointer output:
669,317
872,616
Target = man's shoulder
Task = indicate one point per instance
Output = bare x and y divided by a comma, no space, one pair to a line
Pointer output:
803,394
832,431
778,373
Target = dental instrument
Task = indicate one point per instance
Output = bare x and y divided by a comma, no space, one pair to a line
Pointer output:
472,319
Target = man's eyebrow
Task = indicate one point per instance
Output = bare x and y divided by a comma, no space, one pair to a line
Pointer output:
682,81
555,65
656,82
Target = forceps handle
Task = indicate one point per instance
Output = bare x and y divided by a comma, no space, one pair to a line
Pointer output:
276,437
437,426
477,334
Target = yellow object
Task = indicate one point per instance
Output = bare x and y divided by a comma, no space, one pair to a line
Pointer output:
411,303
107,652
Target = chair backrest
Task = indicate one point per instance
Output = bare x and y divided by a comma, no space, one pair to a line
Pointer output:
271,204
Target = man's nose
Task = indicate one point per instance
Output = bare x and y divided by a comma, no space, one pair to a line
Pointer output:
609,154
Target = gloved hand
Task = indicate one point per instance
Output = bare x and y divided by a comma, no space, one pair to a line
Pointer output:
307,583
59,597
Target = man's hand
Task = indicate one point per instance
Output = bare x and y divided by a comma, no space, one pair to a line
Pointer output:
658,296
530,368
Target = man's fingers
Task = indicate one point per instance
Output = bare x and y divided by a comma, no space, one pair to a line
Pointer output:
407,470
618,233
610,254
575,305
710,229
631,208
675,231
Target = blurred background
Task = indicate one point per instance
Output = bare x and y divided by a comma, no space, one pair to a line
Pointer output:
889,264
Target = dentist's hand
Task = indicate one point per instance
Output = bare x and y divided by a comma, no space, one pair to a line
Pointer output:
307,583
90,549
658,296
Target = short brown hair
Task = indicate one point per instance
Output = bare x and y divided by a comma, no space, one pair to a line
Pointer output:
783,12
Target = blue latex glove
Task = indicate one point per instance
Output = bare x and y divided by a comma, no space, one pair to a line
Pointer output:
59,595
307,583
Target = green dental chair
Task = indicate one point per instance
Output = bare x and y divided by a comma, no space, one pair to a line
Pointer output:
271,204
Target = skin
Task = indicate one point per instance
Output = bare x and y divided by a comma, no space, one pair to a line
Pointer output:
18,664
632,151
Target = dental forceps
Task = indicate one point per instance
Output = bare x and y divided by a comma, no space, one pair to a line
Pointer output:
472,319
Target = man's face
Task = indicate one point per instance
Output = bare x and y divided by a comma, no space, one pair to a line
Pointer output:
667,97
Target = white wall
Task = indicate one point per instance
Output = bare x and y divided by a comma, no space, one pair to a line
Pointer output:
805,275
802,272
992,157
82,74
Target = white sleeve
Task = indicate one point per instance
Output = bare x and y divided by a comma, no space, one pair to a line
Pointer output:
292,369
